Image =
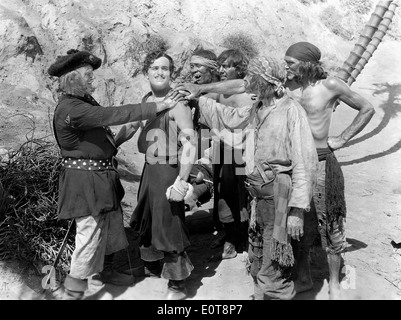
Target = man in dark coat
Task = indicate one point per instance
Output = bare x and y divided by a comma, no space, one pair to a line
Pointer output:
90,190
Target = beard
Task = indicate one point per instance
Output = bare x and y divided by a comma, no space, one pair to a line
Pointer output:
294,76
90,88
291,76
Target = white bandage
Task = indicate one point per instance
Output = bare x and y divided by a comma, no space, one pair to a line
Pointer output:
182,187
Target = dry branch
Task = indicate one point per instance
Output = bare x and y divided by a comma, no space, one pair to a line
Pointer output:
29,228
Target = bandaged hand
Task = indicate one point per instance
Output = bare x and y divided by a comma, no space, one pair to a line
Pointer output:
179,191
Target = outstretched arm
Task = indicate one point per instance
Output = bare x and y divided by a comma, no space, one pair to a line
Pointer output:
228,87
355,101
219,116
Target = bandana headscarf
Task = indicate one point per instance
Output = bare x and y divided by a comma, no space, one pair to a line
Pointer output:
270,70
304,51
211,64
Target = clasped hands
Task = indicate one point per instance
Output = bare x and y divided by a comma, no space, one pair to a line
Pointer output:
179,191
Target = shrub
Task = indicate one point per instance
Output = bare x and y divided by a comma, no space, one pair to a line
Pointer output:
332,19
242,42
29,228
394,31
138,49
360,7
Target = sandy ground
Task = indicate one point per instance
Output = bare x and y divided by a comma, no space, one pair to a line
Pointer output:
372,168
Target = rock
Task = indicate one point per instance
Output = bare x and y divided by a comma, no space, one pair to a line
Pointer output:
35,33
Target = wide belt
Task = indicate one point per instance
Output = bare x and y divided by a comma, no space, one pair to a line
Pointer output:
90,164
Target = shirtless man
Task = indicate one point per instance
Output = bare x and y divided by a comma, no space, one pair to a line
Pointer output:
318,93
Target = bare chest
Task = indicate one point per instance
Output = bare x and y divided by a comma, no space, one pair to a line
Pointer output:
316,100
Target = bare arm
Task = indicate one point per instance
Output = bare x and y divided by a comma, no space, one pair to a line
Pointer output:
228,87
355,101
183,117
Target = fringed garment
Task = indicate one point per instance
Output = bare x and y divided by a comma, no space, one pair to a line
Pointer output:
335,198
281,250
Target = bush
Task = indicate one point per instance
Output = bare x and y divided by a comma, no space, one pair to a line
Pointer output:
138,49
394,31
242,42
360,7
332,19
29,229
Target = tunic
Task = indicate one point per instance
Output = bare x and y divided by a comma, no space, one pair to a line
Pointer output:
160,223
81,130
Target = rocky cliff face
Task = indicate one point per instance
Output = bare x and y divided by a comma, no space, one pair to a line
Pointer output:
34,32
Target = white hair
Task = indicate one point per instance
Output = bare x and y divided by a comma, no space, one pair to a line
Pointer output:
72,83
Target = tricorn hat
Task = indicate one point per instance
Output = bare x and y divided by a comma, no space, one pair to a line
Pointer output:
73,60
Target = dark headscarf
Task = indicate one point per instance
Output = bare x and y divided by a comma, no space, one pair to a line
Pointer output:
304,51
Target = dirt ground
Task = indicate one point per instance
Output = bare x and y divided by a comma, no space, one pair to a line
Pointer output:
372,168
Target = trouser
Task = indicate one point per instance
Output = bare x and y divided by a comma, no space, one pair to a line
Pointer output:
176,266
271,281
236,233
96,237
